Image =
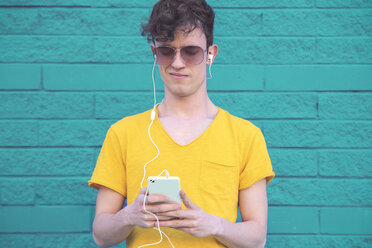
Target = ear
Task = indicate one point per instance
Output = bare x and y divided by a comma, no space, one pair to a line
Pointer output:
212,53
153,50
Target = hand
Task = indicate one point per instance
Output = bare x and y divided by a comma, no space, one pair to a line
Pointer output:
155,203
192,220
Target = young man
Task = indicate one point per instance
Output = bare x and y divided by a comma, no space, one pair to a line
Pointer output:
221,160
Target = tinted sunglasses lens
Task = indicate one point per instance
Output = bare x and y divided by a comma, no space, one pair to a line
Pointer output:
164,55
192,54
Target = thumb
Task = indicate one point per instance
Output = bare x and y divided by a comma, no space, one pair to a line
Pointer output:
143,191
188,203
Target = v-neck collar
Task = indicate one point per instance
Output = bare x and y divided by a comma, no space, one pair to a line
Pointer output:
161,127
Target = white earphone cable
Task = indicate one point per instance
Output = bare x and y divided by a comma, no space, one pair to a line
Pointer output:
153,115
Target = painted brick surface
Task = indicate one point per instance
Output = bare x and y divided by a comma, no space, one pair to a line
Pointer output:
61,191
317,23
353,221
352,163
318,241
72,133
294,162
293,220
17,191
44,219
20,77
319,78
46,162
345,106
56,106
301,70
321,192
18,133
316,134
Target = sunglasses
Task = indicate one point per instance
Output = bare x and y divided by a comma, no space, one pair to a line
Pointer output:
192,55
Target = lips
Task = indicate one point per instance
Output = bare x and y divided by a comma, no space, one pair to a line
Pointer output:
178,75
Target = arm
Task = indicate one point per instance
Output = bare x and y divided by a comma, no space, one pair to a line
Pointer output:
252,231
111,224
249,233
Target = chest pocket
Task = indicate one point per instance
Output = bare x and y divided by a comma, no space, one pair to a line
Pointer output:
219,178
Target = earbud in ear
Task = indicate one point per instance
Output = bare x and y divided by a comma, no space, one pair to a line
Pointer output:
210,57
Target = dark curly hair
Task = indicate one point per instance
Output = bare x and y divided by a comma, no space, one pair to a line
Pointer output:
169,15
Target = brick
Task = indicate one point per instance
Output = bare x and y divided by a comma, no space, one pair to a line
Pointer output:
150,3
343,3
18,133
90,21
73,133
17,191
100,77
319,78
246,23
46,49
20,77
318,23
123,50
17,240
261,4
294,162
345,106
293,220
47,162
62,191
18,21
349,163
265,50
346,221
320,192
79,3
65,240
236,78
319,134
267,105
344,50
326,241
44,219
72,21
50,105
124,104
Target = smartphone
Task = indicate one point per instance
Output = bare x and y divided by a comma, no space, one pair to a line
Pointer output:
169,186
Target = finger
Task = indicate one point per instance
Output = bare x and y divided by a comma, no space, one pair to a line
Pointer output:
163,207
156,198
182,214
186,201
150,217
178,223
143,191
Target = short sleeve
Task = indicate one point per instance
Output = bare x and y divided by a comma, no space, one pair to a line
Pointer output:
110,167
257,163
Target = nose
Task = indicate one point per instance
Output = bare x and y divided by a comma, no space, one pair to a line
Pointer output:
178,61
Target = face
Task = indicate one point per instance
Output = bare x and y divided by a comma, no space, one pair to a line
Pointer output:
185,73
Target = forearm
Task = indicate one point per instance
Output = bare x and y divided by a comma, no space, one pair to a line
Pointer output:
111,229
244,234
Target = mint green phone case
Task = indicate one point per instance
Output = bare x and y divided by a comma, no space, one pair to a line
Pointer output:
165,186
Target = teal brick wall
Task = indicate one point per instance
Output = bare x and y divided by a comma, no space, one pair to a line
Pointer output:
301,70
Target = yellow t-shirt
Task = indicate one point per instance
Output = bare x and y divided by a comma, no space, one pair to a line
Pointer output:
229,156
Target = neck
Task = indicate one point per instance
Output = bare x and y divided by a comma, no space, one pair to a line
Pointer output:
187,108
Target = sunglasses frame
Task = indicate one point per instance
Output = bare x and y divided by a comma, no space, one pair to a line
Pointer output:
175,53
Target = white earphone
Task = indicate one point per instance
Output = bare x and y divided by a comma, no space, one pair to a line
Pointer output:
210,57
